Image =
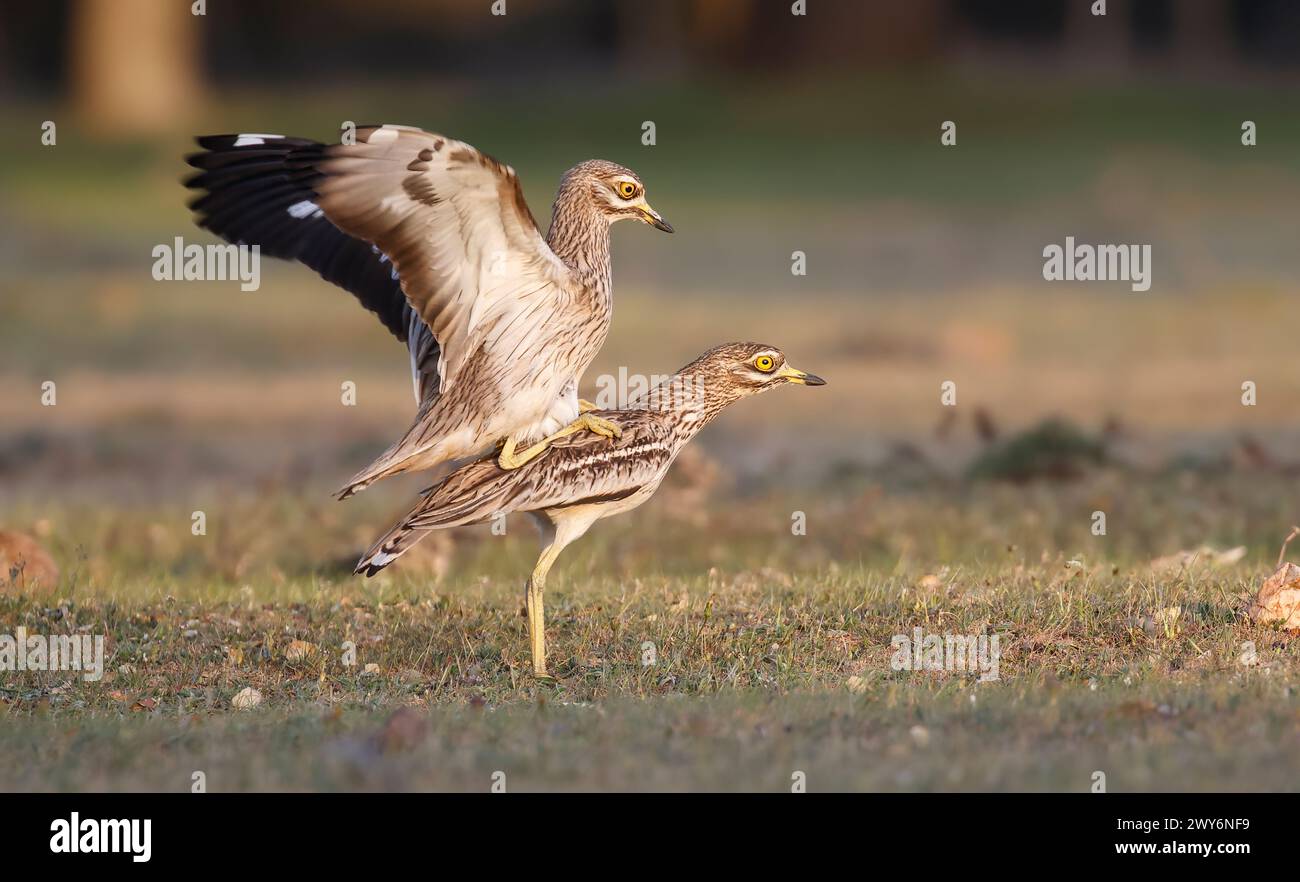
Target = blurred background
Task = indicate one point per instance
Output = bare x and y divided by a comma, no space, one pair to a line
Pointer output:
775,133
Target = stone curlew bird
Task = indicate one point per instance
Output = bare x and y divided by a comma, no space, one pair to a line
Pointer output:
436,238
582,478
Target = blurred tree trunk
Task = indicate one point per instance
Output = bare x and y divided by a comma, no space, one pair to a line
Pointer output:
134,64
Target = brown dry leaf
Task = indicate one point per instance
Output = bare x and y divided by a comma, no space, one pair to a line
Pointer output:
144,704
1278,599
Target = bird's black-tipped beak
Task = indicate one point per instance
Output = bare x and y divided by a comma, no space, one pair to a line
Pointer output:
803,378
656,220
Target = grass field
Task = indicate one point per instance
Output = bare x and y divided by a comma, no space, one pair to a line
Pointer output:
772,652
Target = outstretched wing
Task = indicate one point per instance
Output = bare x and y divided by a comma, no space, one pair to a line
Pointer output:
454,222
261,190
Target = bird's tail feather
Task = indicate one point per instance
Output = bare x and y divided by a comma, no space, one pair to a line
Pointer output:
464,508
393,545
411,451
369,475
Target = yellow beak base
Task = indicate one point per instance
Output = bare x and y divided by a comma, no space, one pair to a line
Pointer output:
794,375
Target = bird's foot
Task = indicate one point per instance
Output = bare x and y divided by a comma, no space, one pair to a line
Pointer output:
599,425
510,458
584,405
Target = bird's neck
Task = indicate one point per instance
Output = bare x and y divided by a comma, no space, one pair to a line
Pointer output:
689,400
579,236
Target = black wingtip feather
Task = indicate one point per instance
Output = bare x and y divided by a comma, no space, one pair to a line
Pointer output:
243,193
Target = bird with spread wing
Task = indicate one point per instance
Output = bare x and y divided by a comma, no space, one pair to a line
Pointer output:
435,237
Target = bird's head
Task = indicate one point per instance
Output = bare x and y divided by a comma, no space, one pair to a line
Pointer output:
614,192
737,370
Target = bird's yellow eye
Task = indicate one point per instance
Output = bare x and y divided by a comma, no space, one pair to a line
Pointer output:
626,189
764,363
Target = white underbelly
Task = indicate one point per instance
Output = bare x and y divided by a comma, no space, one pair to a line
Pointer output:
538,413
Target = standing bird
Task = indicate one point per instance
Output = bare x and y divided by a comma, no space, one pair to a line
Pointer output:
582,479
436,238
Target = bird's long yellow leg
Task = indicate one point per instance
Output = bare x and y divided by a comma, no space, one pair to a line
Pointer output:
584,405
536,613
510,459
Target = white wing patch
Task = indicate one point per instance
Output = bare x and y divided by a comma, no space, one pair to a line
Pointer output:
253,140
305,208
